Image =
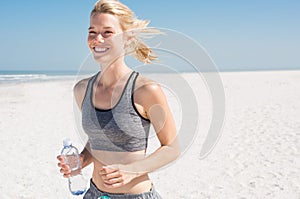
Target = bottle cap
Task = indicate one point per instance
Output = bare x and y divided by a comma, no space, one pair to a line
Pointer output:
67,142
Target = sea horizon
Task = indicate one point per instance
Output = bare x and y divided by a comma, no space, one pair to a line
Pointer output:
16,76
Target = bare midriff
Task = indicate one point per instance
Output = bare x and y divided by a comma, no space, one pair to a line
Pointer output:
103,158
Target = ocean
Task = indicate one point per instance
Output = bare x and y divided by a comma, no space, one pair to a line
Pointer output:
36,76
21,76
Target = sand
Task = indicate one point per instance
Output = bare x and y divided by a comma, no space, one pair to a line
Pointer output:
257,155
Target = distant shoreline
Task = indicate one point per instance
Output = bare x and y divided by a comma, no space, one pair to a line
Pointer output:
22,76
75,72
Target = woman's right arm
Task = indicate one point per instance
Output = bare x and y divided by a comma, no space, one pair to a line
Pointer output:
79,91
85,156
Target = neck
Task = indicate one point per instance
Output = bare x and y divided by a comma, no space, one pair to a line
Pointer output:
111,74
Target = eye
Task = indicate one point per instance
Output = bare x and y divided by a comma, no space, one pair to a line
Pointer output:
107,33
92,32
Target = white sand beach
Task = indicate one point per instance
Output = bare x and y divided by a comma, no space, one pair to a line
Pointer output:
257,155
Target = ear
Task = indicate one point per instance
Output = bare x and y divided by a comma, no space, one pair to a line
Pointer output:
130,35
129,38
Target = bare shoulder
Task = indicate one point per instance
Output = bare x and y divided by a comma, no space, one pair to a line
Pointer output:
81,85
145,84
79,90
148,92
153,105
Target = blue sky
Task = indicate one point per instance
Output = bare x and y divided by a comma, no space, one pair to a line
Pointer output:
238,35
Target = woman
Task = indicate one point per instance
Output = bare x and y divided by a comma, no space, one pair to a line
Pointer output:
118,105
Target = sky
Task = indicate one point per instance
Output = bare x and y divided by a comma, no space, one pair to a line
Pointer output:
237,35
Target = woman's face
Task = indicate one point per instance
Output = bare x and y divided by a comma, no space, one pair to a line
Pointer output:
105,38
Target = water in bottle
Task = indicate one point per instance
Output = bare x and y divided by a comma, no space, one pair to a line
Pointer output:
77,182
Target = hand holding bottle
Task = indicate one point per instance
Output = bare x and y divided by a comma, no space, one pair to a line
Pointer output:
64,168
70,166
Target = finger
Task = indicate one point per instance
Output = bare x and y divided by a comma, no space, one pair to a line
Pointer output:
115,185
59,157
60,164
116,174
108,169
65,169
67,175
113,181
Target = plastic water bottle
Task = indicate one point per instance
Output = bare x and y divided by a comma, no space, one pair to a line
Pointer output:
77,182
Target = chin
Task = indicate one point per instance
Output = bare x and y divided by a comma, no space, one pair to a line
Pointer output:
99,58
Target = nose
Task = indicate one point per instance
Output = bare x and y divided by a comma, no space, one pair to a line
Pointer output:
100,38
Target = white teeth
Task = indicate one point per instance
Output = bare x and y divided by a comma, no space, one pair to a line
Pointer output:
100,50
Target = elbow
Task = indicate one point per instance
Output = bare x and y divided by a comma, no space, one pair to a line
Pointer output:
175,151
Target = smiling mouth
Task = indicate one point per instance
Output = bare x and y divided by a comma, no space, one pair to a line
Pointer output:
100,49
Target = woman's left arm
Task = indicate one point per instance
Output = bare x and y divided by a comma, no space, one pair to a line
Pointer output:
157,110
153,100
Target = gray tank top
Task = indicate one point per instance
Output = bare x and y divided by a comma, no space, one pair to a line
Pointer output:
119,129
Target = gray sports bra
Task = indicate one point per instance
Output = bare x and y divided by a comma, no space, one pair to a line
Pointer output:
119,129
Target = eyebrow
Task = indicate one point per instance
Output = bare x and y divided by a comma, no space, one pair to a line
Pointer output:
106,27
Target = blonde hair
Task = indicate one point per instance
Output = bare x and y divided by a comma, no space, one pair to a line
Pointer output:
129,23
